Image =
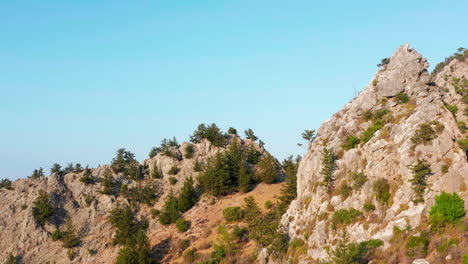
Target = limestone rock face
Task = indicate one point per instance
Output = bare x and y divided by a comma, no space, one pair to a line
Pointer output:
386,155
406,69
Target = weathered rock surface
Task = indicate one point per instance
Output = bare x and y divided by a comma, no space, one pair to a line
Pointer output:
386,155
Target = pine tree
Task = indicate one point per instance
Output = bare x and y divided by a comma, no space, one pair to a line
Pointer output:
249,134
118,163
169,213
38,173
156,172
69,236
187,197
289,189
42,210
245,179
11,259
56,168
87,177
421,170
328,168
78,168
268,169
216,179
107,182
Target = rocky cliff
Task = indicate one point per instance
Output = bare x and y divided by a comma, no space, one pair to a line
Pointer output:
380,135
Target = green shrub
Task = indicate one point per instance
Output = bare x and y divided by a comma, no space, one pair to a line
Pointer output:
191,256
462,126
182,225
452,108
359,179
6,183
463,143
444,168
154,212
370,131
156,172
87,177
446,245
345,191
42,210
448,209
184,244
268,204
232,214
172,180
465,259
423,135
232,131
37,173
344,216
296,242
367,207
402,98
71,254
421,170
351,142
189,150
418,246
382,190
56,235
11,259
347,252
197,166
173,170
69,236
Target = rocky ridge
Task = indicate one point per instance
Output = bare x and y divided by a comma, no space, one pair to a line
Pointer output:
387,154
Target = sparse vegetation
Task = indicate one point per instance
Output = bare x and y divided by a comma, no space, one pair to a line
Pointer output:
351,142
172,180
37,173
418,246
42,209
345,191
249,134
402,98
382,191
344,216
426,132
367,207
189,151
452,109
347,252
173,170
379,119
460,55
359,179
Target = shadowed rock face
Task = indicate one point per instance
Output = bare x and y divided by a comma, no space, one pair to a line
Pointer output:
407,69
386,155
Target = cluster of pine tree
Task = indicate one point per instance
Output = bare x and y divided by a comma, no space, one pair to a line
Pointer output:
173,206
230,171
126,163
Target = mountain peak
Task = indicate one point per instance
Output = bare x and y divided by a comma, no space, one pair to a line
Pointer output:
405,69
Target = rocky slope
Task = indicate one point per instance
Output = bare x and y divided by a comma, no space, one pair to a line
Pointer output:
89,209
387,154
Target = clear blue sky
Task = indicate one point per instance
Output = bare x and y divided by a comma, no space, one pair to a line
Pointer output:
80,79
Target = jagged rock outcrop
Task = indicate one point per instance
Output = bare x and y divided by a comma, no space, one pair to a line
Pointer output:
387,154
